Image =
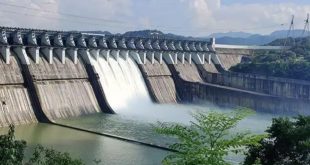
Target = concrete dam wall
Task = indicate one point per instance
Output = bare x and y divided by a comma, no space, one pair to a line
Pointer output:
159,80
232,57
187,71
195,88
63,88
280,87
15,106
209,67
49,75
228,61
219,95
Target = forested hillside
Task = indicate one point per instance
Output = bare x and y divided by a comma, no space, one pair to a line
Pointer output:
293,63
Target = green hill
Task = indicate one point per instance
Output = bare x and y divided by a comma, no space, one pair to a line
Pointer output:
293,63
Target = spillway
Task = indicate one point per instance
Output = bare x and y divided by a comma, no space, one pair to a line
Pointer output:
160,81
63,88
188,71
15,105
123,83
127,94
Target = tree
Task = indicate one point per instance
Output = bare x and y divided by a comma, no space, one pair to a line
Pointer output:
45,156
12,153
288,143
11,150
208,139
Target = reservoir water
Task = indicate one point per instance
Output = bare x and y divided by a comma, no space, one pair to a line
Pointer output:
111,151
87,146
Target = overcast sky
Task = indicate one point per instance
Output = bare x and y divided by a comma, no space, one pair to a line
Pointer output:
186,17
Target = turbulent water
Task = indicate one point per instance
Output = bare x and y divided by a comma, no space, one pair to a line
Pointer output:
122,83
127,93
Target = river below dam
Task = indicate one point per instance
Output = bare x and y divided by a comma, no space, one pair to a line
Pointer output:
135,126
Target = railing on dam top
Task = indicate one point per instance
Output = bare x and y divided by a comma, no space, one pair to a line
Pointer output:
251,47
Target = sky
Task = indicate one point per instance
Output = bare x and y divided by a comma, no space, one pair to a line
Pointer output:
184,17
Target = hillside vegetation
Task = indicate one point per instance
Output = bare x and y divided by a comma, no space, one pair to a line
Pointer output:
293,63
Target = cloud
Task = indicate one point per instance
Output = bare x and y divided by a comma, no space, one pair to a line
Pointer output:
97,8
63,14
188,17
13,13
110,15
145,22
254,17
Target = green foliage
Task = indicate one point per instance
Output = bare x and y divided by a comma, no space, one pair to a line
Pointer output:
293,63
44,156
12,153
11,150
295,70
288,143
208,139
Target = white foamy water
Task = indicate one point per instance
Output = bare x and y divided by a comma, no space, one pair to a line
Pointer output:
127,93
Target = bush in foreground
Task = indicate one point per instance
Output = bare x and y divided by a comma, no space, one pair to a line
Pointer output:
208,139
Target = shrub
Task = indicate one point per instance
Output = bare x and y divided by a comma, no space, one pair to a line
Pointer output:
208,139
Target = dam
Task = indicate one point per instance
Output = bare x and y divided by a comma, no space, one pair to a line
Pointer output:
120,86
50,75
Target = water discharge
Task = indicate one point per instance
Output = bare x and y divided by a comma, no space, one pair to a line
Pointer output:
122,83
127,93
